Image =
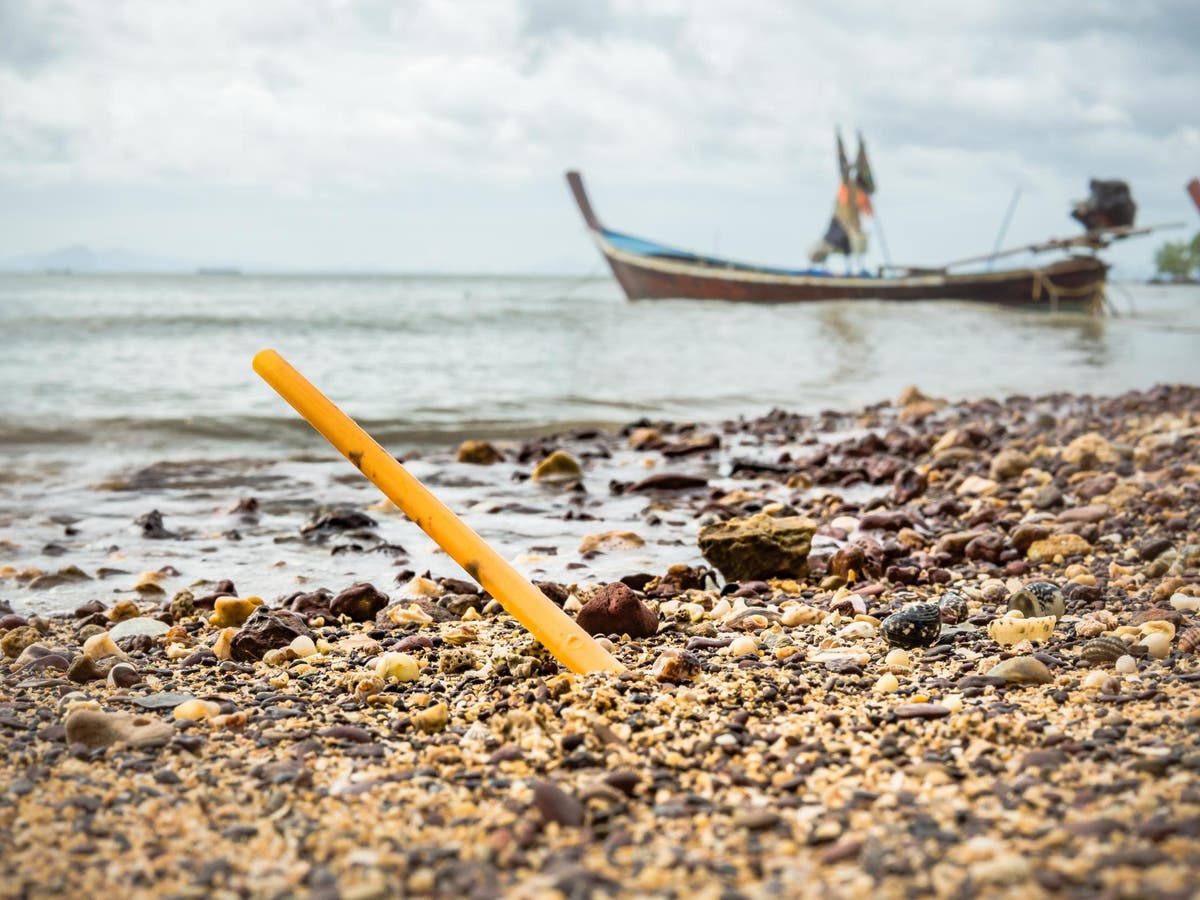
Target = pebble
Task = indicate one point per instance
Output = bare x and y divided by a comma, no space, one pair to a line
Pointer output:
397,667
303,646
676,666
98,646
433,719
138,625
887,684
743,646
921,711
1126,665
1157,644
1021,670
95,729
1184,603
122,675
556,805
196,710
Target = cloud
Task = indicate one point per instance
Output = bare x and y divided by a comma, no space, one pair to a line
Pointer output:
355,97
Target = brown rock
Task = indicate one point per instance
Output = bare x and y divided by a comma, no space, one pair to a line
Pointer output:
556,805
267,629
758,546
616,609
1024,535
95,729
668,481
478,453
360,602
921,711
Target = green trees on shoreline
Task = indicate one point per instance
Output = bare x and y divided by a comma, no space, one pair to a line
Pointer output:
1178,260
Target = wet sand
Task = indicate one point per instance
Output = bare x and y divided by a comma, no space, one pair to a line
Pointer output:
789,750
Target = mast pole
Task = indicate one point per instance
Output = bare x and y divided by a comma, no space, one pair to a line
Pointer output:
887,257
1012,207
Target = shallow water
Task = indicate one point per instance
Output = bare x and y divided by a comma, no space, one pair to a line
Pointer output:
103,376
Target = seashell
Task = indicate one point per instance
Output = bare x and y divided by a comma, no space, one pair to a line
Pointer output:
675,665
1189,641
918,625
1038,598
1102,651
1159,626
123,675
954,608
1012,629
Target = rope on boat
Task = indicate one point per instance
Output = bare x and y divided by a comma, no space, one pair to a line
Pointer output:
1054,292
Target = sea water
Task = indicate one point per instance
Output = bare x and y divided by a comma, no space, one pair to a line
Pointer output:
122,394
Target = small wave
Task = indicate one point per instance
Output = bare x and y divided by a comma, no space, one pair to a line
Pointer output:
274,431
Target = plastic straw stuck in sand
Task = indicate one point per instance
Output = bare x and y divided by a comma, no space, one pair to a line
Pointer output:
570,644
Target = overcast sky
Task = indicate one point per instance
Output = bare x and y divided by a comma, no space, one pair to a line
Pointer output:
433,135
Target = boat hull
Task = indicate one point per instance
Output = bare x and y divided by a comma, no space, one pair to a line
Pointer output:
1070,283
651,271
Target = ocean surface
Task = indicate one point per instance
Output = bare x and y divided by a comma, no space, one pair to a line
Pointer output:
123,394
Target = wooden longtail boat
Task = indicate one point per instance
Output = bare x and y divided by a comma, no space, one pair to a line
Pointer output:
648,270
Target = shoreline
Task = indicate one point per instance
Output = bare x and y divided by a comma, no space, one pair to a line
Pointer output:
767,740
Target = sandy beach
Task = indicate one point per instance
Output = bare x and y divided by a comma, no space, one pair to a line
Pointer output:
378,727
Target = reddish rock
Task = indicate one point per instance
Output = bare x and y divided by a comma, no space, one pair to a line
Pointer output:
616,609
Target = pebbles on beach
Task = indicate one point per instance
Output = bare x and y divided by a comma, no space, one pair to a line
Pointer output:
915,704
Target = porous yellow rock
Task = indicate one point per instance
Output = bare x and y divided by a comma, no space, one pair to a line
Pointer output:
233,611
122,610
1056,545
1014,628
1089,449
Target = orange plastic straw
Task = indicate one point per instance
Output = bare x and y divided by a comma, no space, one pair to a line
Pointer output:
558,632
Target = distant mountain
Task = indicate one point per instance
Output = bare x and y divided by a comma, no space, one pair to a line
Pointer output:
79,258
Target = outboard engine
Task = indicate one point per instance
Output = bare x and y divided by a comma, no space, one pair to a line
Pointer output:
1109,206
